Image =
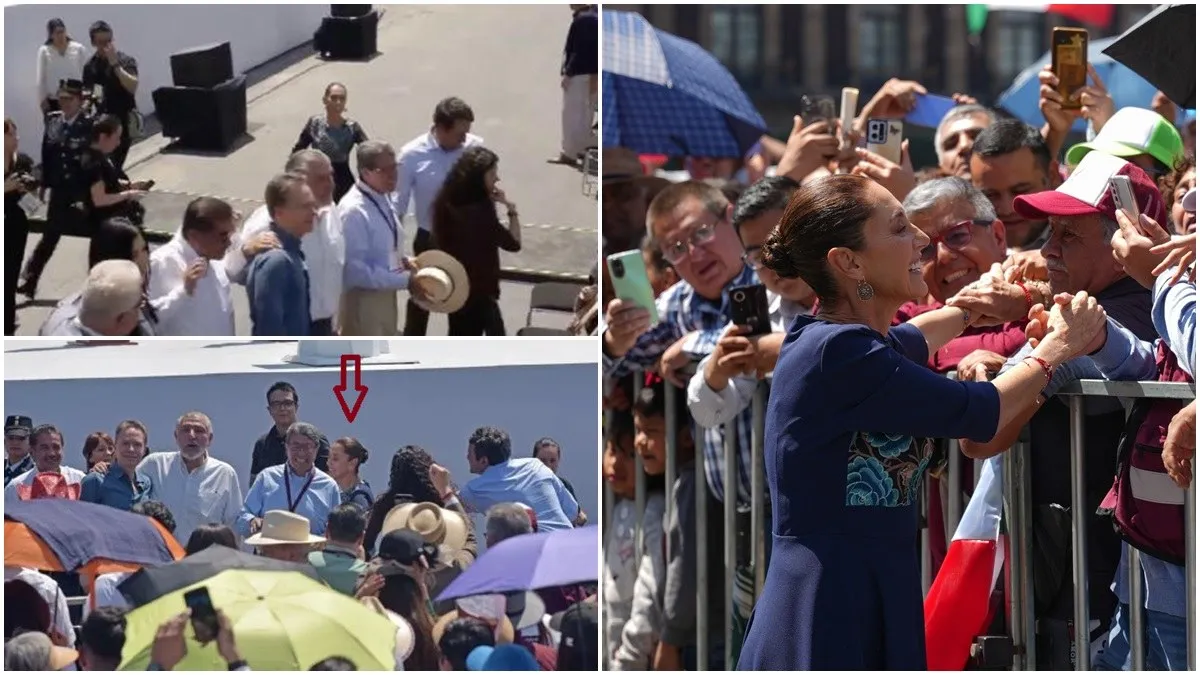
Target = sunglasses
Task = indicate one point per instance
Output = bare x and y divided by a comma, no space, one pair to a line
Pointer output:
956,238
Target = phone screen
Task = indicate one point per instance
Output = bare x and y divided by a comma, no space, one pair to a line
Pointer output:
204,616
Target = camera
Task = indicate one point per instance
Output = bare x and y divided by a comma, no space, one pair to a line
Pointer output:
739,296
618,268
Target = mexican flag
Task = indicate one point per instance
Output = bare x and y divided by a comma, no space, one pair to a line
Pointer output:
1094,15
956,609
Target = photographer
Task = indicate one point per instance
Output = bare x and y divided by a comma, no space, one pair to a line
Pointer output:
116,73
19,183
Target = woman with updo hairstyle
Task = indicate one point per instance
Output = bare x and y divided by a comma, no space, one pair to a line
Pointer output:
98,447
851,401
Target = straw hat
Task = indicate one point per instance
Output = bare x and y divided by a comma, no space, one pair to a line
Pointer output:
489,609
443,528
444,280
283,527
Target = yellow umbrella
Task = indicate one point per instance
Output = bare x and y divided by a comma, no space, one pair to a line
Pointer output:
281,621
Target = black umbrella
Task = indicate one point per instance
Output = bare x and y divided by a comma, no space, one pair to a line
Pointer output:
1162,48
151,583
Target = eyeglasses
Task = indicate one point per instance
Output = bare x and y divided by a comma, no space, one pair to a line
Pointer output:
753,257
678,250
281,405
956,238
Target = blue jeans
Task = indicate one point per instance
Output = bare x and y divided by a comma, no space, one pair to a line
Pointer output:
1166,642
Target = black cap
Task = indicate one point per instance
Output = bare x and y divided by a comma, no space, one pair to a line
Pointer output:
407,547
15,423
71,87
578,649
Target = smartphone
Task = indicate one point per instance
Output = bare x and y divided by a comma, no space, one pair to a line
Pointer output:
884,137
748,307
815,109
849,105
929,110
627,271
204,615
1068,59
1122,192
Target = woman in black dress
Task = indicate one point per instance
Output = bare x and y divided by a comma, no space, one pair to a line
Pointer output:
18,182
335,135
466,226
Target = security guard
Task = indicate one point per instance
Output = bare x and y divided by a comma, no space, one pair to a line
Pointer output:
67,136
17,460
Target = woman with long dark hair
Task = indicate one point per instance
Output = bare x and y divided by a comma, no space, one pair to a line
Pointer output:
18,182
851,401
334,134
410,482
114,239
60,58
408,597
466,226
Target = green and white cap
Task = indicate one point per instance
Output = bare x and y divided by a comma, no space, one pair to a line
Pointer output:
1134,131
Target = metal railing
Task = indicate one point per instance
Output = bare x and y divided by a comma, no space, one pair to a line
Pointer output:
1018,509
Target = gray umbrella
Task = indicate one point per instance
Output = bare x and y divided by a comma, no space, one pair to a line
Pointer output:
1162,48
150,583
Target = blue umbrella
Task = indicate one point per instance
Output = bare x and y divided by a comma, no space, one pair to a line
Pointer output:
667,95
1126,87
531,561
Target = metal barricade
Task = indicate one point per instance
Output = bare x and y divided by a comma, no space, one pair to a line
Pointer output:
1018,514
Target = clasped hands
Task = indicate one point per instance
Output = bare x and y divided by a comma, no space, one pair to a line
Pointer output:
1000,296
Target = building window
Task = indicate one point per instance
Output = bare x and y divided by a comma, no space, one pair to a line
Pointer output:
736,33
881,48
1018,39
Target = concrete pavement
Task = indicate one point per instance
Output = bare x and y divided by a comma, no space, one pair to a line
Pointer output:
503,61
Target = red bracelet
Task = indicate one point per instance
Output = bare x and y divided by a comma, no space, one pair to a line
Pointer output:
1046,369
1028,297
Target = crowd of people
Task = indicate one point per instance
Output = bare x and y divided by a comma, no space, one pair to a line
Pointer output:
324,255
1009,265
394,550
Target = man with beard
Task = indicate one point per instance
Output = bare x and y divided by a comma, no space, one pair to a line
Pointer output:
47,446
16,442
955,137
196,488
1011,159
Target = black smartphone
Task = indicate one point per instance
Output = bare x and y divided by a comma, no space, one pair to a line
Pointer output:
815,109
204,615
748,307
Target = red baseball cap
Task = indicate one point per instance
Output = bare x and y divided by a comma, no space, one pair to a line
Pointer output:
1087,192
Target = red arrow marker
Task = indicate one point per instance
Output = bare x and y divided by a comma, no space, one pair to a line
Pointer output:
351,411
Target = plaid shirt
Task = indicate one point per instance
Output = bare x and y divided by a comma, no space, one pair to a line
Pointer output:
682,311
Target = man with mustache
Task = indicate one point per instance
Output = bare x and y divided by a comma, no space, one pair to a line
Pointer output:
46,443
196,488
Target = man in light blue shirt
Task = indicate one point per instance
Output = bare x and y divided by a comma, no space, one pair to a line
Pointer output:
296,486
502,479
375,268
422,167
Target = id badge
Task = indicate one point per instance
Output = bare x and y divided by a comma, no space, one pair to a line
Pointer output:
30,204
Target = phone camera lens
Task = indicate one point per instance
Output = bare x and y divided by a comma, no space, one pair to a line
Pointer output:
739,296
618,268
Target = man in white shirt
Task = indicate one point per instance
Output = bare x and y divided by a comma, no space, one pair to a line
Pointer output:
324,248
720,389
196,488
422,166
46,447
375,268
110,304
188,285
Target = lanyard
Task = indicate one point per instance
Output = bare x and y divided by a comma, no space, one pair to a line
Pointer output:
387,216
287,484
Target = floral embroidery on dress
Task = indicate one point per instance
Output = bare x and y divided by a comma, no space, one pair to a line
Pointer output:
885,469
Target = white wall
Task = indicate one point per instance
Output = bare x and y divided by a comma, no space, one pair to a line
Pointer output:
149,33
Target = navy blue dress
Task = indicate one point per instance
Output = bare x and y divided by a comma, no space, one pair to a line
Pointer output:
843,590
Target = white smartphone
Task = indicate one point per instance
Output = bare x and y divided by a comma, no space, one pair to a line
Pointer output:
1122,191
884,137
849,105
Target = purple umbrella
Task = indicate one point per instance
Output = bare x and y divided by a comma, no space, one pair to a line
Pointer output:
531,561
